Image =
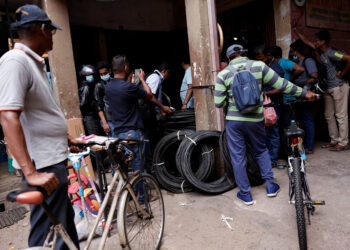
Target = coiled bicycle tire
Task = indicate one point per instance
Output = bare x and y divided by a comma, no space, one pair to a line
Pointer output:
253,170
164,166
214,185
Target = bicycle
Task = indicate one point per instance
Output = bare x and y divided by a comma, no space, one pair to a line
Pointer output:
299,191
140,219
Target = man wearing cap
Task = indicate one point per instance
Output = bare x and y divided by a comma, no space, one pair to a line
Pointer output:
33,123
249,126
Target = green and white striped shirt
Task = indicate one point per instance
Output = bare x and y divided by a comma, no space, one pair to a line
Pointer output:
262,74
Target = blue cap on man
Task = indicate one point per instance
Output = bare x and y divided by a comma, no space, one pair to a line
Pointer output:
31,13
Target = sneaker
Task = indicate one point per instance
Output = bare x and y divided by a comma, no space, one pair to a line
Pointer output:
246,198
272,189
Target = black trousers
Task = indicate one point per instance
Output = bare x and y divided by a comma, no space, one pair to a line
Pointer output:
59,204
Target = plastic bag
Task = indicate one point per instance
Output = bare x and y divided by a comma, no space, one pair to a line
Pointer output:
269,113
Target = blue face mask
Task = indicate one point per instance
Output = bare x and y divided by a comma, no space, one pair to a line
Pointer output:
106,77
90,78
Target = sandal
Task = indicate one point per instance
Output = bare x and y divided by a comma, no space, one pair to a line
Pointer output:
329,145
339,148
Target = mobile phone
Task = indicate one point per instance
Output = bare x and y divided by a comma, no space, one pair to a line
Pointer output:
137,79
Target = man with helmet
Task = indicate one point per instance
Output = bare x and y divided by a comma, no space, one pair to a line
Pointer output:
88,105
34,124
250,126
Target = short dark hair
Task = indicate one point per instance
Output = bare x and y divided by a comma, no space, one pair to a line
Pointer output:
186,59
298,46
260,49
102,65
118,64
275,51
164,66
324,35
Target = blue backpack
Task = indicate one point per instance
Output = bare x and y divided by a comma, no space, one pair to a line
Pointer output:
245,89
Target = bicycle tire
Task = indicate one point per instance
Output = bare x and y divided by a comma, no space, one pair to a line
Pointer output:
299,204
130,218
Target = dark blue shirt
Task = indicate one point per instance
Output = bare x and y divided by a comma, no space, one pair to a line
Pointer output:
122,98
278,69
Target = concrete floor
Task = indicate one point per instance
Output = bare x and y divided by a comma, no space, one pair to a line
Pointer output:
193,220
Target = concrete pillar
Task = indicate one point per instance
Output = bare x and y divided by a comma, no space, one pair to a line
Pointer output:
201,54
282,10
62,60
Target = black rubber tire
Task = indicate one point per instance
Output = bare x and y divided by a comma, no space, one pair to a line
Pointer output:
253,169
214,185
165,170
299,204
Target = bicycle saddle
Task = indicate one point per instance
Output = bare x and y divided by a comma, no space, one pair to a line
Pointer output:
294,131
26,196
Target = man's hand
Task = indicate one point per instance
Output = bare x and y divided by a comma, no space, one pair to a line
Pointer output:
166,110
141,75
339,75
48,181
184,107
311,95
106,127
74,144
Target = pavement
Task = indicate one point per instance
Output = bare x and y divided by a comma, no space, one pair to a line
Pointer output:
195,221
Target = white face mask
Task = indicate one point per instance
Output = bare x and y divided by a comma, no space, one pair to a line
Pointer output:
106,77
90,78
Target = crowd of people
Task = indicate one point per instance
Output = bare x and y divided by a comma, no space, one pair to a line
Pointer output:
119,103
311,65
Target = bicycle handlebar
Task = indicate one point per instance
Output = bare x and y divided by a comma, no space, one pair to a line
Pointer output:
289,103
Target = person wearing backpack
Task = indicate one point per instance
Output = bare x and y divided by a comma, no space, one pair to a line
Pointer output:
305,80
238,87
337,95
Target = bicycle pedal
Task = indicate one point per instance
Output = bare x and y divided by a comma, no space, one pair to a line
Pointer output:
318,203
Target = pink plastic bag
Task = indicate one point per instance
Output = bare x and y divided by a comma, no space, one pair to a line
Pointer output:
269,113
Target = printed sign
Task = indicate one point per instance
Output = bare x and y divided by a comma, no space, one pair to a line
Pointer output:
327,14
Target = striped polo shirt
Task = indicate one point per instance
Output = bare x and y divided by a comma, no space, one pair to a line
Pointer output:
263,75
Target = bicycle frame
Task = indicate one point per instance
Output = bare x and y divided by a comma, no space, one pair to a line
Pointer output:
121,181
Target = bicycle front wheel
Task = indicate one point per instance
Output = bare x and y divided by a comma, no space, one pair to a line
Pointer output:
137,231
299,203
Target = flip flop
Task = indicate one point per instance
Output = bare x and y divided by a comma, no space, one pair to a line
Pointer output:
329,145
339,148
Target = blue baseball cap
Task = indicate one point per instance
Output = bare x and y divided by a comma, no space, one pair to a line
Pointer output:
31,13
235,48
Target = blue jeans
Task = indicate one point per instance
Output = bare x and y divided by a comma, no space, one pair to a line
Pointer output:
237,134
137,134
59,204
308,120
111,126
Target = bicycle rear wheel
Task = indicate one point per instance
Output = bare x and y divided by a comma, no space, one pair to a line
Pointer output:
299,204
135,231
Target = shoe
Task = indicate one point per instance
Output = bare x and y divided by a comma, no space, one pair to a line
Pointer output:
246,198
339,147
272,189
329,145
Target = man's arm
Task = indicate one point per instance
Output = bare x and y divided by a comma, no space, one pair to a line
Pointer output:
100,103
220,93
188,96
346,69
271,78
304,39
17,145
297,71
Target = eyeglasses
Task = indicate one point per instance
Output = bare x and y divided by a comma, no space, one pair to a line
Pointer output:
50,28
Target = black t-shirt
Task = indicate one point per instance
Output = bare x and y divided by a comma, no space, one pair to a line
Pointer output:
123,103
